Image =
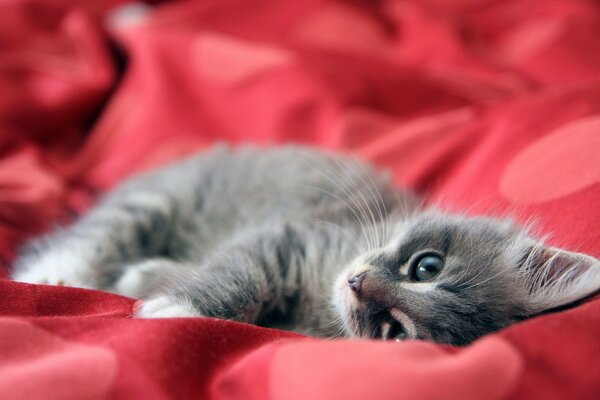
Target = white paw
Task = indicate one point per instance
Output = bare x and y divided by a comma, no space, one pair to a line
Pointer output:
62,268
166,307
131,284
141,279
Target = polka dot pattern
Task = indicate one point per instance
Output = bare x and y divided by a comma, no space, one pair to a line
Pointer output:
60,369
559,164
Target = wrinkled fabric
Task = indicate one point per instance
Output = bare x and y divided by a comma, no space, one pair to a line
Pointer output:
482,106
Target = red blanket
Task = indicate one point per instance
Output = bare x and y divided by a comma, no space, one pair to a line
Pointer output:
485,106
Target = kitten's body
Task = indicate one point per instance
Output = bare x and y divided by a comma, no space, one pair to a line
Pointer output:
272,237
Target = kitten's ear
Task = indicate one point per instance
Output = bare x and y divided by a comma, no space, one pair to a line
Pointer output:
557,277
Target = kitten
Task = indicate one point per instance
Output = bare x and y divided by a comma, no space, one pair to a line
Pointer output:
317,243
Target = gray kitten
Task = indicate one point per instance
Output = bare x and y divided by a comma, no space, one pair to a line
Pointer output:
312,242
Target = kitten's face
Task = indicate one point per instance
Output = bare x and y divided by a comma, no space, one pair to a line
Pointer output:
441,278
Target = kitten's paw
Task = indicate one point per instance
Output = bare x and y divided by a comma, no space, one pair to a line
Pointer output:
131,284
61,269
166,307
143,278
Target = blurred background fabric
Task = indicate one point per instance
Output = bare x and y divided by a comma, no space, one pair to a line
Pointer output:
483,106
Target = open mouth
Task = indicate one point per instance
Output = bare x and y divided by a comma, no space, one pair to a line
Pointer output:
390,328
379,323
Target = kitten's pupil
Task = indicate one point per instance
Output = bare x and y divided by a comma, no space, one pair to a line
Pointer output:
428,266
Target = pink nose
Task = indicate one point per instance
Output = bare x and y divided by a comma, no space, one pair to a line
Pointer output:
355,282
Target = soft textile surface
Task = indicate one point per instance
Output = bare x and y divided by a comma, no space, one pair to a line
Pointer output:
485,106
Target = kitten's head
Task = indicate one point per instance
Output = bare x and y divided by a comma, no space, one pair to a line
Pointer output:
452,279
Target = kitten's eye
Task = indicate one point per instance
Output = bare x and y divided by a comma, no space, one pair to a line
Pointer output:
427,267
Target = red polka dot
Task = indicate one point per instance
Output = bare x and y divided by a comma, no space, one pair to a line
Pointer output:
564,162
60,369
413,370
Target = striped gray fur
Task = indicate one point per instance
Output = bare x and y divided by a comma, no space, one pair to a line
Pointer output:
272,237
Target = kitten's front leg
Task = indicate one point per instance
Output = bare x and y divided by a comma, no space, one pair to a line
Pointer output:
126,227
246,279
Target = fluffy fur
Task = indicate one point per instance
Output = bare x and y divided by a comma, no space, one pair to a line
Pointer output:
272,237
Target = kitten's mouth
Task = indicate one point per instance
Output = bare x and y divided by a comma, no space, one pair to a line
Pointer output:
363,321
390,329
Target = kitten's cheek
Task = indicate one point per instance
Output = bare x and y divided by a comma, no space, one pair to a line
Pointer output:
165,307
343,293
342,297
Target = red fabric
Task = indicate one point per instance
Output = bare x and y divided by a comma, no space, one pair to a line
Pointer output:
485,106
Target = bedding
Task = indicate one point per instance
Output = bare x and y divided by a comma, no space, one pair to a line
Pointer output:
484,106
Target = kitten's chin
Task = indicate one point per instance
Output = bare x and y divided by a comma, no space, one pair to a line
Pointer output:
344,302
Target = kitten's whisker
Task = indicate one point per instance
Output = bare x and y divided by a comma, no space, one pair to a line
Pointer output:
376,194
345,326
356,209
501,272
465,270
343,231
345,189
350,208
373,225
332,322
335,322
369,185
364,206
337,334
462,285
343,184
